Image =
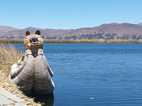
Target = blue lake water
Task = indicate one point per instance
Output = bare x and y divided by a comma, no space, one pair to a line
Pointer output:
96,74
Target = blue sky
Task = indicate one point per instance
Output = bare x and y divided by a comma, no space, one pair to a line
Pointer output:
66,14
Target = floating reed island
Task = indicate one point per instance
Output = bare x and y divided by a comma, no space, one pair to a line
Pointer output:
99,41
8,56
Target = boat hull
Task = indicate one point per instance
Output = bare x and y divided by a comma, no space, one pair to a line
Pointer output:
33,75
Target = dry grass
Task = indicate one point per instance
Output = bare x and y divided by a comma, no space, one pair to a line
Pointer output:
8,56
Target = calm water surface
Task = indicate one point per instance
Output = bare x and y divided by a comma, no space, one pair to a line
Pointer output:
96,74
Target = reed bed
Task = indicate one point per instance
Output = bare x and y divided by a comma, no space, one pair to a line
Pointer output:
8,56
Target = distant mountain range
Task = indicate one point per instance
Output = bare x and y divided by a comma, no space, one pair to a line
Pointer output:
105,31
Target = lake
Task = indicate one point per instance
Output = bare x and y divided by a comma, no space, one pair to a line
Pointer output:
90,74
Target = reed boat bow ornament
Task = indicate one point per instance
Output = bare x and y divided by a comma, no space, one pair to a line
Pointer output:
32,73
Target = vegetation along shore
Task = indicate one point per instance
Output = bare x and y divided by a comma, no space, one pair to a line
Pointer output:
107,41
6,60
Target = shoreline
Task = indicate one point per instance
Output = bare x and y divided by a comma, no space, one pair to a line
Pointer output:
7,59
99,41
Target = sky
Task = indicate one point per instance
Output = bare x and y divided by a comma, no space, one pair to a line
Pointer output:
68,14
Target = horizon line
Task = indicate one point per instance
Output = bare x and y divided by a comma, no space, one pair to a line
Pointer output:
24,27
